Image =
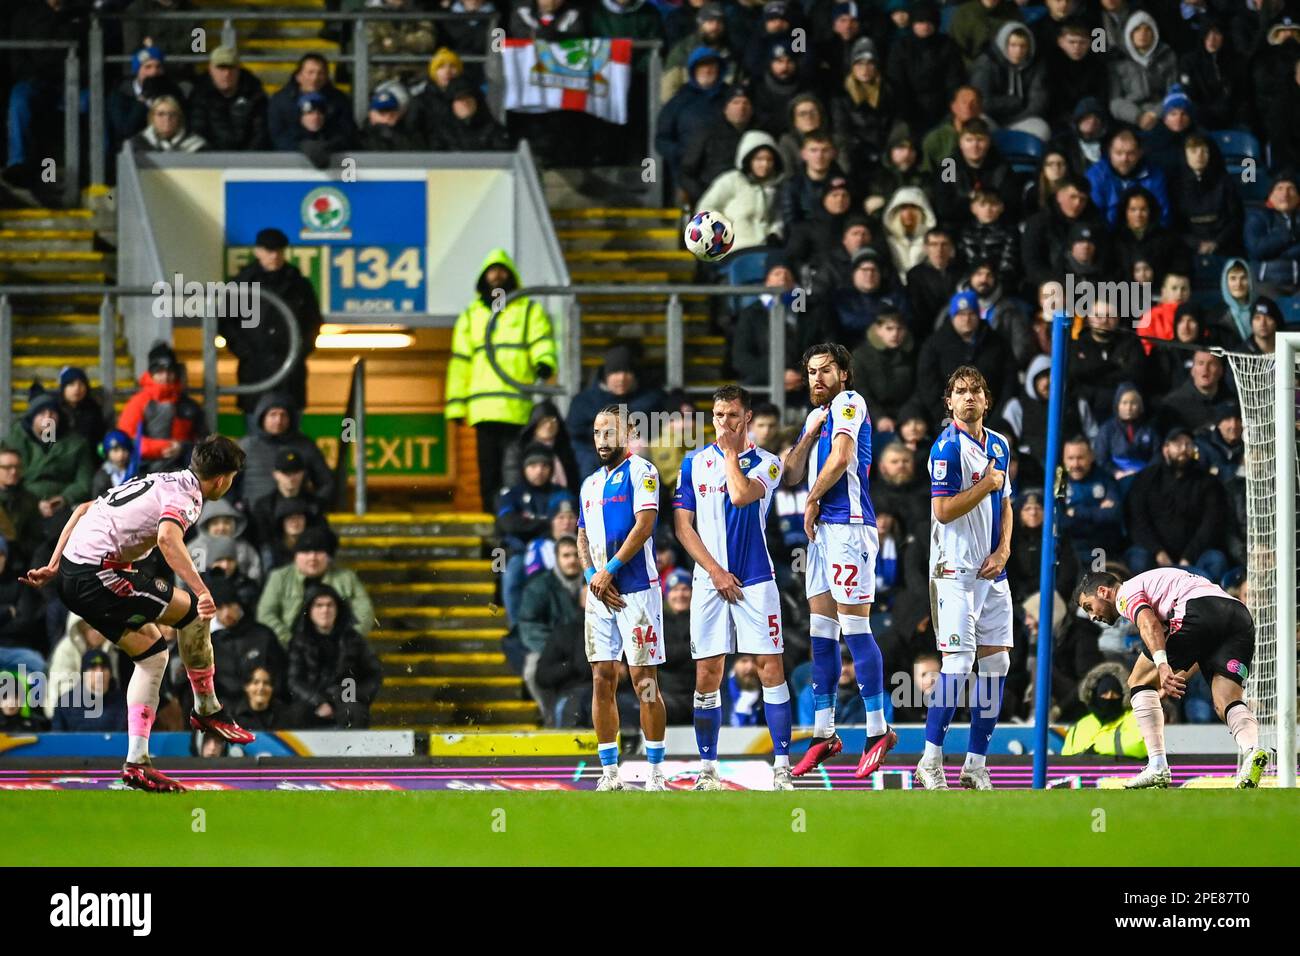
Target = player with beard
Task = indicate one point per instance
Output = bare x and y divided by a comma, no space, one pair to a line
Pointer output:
624,615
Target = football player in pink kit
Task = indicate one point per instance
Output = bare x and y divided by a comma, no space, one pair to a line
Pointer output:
93,563
1185,621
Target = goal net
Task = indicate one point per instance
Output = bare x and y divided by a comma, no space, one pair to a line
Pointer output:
1266,386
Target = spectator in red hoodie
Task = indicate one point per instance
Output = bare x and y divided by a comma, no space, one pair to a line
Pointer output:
161,417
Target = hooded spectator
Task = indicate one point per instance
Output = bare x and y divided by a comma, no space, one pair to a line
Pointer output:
1026,416
1220,446
220,519
1086,130
1141,76
1012,80
1237,290
57,464
711,32
469,127
276,421
712,151
1127,441
900,166
907,219
1273,59
747,195
545,428
1208,215
924,68
334,673
161,417
81,409
1109,728
1215,75
692,109
241,646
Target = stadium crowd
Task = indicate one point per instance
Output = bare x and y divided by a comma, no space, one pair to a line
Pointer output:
916,176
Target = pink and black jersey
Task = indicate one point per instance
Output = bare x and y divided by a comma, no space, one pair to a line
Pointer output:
121,526
1165,591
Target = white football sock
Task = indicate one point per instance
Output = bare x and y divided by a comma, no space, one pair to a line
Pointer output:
1151,721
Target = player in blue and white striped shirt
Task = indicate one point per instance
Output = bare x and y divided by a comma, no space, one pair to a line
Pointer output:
724,492
624,614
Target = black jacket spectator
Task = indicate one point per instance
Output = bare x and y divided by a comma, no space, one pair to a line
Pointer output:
1181,510
924,71
946,350
952,189
127,110
587,403
240,647
1151,243
233,120
1207,207
864,111
1216,81
469,127
263,447
1011,92
692,109
262,349
1070,80
884,373
1047,231
1102,359
284,112
332,668
540,431
711,151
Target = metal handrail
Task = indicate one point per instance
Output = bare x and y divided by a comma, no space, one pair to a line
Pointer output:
108,344
358,408
71,110
360,58
673,330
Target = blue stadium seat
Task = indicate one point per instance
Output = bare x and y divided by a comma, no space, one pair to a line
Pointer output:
1033,14
746,268
1236,145
1252,193
1024,151
1207,271
1290,306
945,16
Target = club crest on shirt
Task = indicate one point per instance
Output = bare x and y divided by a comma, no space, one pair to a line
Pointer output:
617,479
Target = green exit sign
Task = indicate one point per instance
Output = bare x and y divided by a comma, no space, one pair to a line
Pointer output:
398,444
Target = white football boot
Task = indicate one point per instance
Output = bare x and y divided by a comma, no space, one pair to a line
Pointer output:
1252,768
782,779
976,778
707,780
610,781
657,781
929,774
1151,778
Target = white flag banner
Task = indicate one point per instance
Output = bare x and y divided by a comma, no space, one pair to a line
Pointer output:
587,76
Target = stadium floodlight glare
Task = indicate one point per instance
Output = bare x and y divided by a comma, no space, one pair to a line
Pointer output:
1266,385
364,337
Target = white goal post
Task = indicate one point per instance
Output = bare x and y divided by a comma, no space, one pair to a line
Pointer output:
1266,385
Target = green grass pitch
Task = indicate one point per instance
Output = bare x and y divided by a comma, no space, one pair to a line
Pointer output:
1070,828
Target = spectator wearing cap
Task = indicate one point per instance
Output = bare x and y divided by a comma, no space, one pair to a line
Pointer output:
289,519
470,127
161,418
1128,441
710,32
223,561
871,291
618,384
549,605
776,28
1220,446
1012,80
1265,320
166,131
220,519
1123,168
864,108
1047,232
1176,513
128,106
801,193
966,105
120,462
1001,311
228,105
98,706
384,130
977,166
1084,135
907,219
262,349
1194,404
692,108
1208,214
1164,143
925,67
749,344
286,108
83,412
1273,234
963,339
676,677
978,23
320,135
712,151
1141,73
523,514
825,261
1214,73
545,427
276,430
281,602
431,103
334,673
1074,72
776,87
239,644
57,464
747,195
1085,255
398,37
525,350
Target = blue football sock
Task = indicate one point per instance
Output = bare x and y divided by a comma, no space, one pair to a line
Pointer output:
984,715
870,670
941,706
708,722
825,680
776,707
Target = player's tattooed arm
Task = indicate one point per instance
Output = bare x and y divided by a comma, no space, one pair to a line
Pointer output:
584,549
171,542
39,577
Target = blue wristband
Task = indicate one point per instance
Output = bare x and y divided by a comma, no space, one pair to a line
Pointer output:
589,574
612,565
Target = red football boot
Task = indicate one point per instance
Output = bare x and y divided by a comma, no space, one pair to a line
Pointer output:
819,751
222,726
142,776
874,755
